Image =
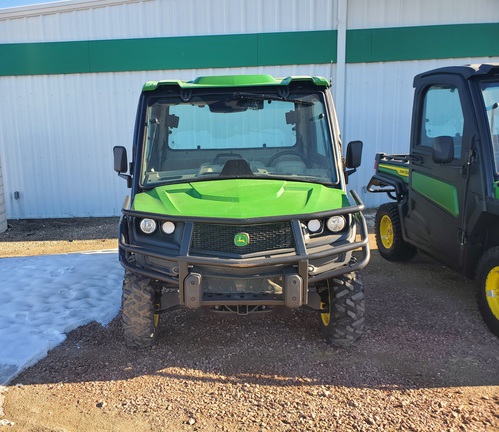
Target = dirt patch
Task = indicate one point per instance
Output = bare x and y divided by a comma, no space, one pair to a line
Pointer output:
49,236
427,362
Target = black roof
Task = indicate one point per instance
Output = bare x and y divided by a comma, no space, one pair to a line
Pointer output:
466,71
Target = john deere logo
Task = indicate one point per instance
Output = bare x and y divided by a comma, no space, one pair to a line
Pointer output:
241,239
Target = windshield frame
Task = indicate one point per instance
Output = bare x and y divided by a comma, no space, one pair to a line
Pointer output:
305,100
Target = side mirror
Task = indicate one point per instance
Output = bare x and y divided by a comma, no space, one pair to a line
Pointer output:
443,149
121,164
120,159
354,154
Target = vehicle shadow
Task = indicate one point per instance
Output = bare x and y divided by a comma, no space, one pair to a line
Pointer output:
423,330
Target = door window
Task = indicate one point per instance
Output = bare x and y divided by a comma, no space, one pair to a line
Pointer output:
490,92
442,116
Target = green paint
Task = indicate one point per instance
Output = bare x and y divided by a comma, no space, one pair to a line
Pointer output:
318,47
395,170
44,58
441,193
240,199
249,50
192,52
231,80
496,190
234,80
420,43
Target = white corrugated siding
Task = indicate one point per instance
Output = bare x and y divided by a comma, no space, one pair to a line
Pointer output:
404,13
3,210
114,19
378,110
62,129
58,131
93,20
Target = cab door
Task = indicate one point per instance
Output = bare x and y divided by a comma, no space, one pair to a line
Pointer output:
437,190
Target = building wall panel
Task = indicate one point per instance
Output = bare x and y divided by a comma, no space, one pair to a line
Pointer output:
378,110
112,19
61,163
93,20
57,131
3,208
64,128
403,13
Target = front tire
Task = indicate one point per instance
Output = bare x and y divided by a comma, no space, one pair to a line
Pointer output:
342,321
138,311
391,244
488,289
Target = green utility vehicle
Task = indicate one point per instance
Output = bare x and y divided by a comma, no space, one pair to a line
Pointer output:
238,205
447,189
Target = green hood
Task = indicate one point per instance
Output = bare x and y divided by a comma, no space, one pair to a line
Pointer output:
240,199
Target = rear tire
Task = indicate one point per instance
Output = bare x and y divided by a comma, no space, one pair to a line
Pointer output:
138,311
391,244
343,298
488,289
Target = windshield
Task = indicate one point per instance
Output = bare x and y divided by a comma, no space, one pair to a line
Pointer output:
490,92
237,135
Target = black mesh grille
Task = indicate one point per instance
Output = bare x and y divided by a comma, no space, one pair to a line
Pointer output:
262,238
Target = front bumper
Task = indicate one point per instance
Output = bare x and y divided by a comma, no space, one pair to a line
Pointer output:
270,278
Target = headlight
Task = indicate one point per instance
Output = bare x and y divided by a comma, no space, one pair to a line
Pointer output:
168,227
336,223
148,226
314,225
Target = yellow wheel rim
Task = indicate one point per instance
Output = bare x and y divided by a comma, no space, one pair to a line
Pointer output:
326,317
492,291
386,232
156,315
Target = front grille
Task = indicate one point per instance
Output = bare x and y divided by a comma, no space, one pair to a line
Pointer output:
208,238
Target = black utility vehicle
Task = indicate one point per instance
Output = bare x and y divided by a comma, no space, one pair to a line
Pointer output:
446,190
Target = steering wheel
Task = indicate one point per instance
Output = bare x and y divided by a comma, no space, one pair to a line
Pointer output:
299,154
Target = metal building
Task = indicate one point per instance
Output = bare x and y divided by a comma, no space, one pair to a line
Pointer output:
3,211
71,73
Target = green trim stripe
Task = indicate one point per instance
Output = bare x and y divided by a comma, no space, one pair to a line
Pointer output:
441,193
421,43
395,170
246,50
168,53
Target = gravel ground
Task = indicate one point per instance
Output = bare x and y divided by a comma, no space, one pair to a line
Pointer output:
427,362
47,236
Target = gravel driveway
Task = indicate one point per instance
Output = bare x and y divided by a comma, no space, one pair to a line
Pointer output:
427,362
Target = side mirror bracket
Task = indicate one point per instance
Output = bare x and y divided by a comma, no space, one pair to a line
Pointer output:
121,164
353,157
